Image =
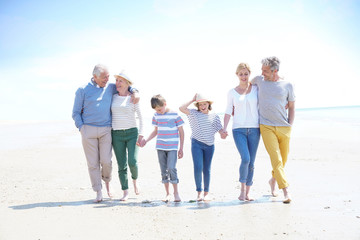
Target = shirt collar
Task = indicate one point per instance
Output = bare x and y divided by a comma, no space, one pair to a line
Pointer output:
94,83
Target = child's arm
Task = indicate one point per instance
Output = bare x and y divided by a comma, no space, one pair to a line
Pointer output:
184,107
151,136
181,135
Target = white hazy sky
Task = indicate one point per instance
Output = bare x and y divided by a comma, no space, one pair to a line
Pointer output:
175,48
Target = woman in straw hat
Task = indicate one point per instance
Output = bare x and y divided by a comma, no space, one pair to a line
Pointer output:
242,103
125,132
204,125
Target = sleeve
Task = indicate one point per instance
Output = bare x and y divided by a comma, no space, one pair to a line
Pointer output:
113,88
230,104
217,123
179,121
154,122
255,80
132,90
291,94
141,123
78,108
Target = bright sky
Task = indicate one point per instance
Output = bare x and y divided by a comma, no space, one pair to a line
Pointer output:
175,48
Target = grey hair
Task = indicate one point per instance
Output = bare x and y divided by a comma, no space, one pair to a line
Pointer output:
272,62
98,69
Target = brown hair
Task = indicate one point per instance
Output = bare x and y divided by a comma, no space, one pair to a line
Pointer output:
157,101
197,105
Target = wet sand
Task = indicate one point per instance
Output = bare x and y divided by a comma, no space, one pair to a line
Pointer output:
46,193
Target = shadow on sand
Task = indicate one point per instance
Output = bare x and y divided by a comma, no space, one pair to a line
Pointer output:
106,203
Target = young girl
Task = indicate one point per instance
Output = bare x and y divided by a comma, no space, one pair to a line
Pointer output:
204,125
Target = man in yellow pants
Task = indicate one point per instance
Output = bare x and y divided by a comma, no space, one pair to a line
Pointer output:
275,120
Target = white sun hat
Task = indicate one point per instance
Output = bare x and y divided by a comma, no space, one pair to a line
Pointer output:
123,75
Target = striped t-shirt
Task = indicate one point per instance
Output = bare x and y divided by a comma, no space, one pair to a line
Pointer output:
204,126
123,113
167,130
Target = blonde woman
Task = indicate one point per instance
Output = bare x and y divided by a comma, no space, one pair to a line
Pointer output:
125,132
243,101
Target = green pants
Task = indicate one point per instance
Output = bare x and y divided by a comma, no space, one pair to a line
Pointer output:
124,144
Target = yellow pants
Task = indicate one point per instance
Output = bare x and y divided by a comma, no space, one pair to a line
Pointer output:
276,141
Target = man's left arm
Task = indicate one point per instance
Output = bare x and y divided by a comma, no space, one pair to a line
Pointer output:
291,112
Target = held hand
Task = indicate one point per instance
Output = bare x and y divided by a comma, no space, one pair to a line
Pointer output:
223,134
138,142
180,153
142,143
194,98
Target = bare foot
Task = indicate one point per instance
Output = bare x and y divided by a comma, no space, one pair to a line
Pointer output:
199,198
167,198
125,196
107,184
177,197
272,183
136,189
242,195
247,198
286,195
206,197
99,197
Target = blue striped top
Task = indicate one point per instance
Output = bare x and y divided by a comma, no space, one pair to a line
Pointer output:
167,130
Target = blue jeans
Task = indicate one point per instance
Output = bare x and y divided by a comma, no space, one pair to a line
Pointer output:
247,142
202,156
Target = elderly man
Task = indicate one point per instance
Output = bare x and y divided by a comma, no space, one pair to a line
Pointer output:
92,116
275,96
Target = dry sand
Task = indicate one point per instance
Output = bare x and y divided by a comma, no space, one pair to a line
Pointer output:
46,194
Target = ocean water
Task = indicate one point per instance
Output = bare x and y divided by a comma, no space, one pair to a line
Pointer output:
341,123
338,123
350,115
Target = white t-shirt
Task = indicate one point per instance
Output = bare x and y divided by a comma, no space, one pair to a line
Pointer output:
246,113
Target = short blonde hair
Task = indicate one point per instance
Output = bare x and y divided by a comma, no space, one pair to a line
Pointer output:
243,66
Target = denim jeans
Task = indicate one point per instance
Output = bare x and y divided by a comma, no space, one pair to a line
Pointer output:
167,161
202,156
247,142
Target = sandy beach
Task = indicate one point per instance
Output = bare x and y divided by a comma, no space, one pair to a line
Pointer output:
46,194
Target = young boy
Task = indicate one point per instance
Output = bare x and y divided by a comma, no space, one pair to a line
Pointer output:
168,129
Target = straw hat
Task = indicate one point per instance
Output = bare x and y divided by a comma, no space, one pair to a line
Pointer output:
123,75
200,98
